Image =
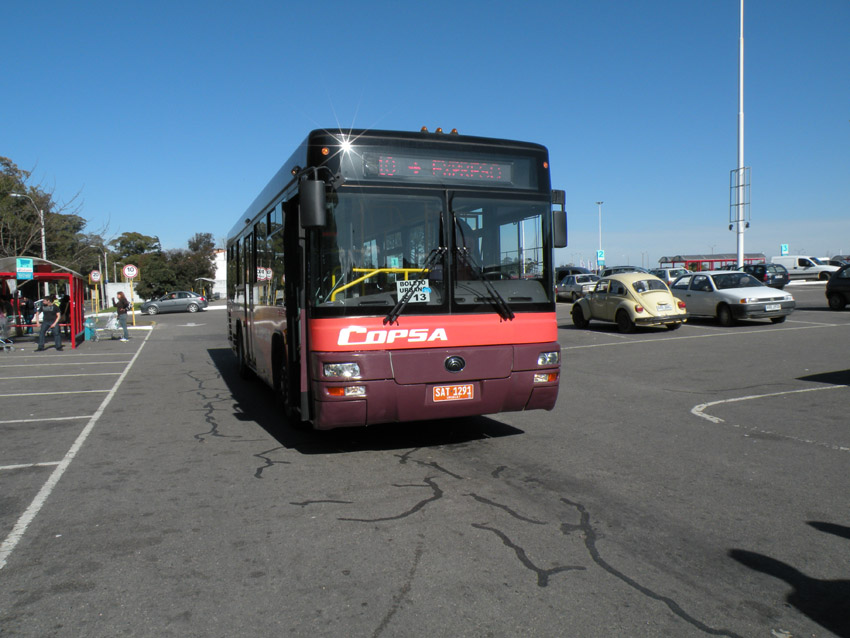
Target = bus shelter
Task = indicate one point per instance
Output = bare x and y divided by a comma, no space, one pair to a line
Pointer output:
60,281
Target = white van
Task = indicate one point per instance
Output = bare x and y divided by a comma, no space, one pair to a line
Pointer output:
804,267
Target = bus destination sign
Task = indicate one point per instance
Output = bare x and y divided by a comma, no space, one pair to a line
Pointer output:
435,168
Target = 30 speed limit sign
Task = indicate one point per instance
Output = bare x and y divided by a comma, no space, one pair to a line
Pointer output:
130,271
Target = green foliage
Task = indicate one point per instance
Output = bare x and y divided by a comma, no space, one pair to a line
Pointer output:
129,245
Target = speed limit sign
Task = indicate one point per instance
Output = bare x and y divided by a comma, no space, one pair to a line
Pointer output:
95,276
130,271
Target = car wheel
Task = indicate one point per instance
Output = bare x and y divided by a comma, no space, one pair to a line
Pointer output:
724,316
192,307
836,302
152,310
578,318
624,322
777,319
823,276
672,326
573,297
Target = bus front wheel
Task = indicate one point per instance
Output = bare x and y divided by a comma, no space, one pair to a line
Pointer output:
242,362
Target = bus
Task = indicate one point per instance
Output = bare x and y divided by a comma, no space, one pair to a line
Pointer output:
387,276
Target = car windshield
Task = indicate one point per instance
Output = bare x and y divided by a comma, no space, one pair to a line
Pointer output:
649,285
735,280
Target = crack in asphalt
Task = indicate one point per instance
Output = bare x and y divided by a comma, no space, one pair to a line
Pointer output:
437,494
507,509
542,574
407,456
402,595
589,535
268,462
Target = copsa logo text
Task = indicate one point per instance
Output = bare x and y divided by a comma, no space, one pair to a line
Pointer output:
357,335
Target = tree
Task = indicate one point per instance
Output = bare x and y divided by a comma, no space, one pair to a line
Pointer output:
128,245
20,222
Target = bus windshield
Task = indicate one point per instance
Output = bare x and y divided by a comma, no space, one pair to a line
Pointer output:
377,247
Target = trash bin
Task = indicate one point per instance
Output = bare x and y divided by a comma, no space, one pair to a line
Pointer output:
90,333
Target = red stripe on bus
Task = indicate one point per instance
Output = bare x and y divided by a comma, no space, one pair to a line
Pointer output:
438,331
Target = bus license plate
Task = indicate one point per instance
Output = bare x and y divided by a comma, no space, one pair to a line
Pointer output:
772,306
453,392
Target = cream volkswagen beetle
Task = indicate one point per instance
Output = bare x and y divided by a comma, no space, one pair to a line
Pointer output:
629,300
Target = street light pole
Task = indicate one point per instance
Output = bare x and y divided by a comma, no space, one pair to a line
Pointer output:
599,204
41,221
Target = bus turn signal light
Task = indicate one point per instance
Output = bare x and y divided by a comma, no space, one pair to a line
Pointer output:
347,391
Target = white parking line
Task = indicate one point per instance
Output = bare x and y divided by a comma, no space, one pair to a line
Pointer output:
27,517
59,376
54,418
25,465
721,332
64,364
50,394
699,410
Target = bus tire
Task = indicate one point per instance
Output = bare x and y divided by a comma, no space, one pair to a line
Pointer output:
241,361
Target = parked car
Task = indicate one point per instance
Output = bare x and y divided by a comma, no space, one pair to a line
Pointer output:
629,300
614,270
804,267
180,301
732,295
668,275
572,287
838,289
564,271
772,275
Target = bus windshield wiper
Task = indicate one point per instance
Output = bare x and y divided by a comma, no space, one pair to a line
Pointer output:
403,301
497,300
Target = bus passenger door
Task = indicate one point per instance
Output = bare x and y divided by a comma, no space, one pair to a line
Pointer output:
250,253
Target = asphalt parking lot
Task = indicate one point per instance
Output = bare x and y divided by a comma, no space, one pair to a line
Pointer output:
688,483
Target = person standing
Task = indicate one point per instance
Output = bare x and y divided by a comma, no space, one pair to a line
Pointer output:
49,320
121,307
27,310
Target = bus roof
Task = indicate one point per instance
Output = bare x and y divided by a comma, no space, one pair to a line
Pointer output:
317,138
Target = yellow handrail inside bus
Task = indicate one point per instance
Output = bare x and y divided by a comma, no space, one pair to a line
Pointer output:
371,272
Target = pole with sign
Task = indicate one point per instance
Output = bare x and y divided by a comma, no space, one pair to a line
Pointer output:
131,272
94,280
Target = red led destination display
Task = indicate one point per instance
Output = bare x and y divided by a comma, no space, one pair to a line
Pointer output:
436,169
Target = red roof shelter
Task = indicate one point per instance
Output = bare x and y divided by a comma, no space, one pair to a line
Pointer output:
72,282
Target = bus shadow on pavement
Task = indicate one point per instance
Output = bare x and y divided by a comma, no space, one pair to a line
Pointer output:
255,402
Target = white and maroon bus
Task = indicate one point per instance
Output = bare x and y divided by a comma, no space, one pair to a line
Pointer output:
384,276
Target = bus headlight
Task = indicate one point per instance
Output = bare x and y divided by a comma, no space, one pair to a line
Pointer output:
549,358
341,370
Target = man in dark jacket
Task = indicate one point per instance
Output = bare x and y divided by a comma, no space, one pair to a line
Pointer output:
50,319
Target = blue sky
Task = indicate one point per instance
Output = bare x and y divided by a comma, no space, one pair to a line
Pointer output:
168,118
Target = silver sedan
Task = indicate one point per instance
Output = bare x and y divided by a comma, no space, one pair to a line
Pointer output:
729,296
574,286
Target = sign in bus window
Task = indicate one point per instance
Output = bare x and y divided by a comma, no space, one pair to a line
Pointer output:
421,290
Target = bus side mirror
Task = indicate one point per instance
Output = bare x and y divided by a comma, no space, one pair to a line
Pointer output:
313,210
559,219
559,228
